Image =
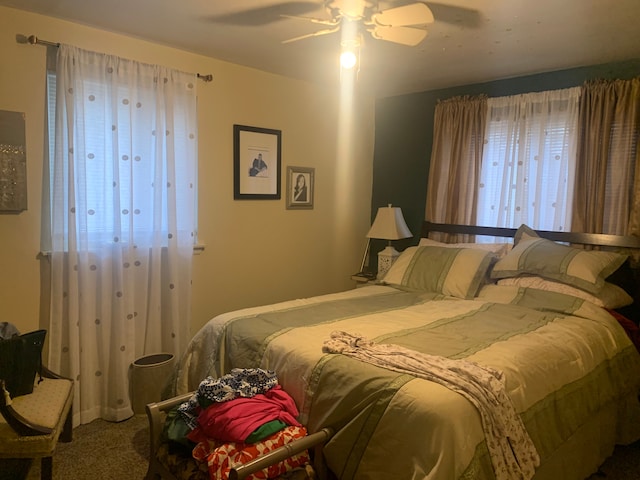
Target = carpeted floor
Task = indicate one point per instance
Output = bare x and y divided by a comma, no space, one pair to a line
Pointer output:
624,464
103,450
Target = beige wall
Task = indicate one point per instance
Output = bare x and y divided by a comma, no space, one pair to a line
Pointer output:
256,252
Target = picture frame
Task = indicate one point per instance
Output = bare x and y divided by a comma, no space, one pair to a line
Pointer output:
13,162
257,161
300,188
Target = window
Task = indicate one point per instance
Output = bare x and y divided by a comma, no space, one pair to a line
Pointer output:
116,165
555,160
528,160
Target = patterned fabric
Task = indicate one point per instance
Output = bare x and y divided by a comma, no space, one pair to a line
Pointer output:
513,454
611,296
500,249
48,406
235,420
533,255
241,382
458,272
185,467
221,457
128,123
506,328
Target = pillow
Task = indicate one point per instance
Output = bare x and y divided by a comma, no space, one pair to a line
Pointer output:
533,255
500,249
458,272
524,233
611,296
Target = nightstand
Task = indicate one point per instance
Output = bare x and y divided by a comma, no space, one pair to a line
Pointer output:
363,278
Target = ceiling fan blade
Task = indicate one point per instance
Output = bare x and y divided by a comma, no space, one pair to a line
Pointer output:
466,17
320,21
412,14
314,34
264,15
402,35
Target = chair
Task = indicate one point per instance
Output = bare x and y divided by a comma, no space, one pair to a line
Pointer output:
31,424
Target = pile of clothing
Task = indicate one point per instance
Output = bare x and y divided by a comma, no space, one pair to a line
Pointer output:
236,418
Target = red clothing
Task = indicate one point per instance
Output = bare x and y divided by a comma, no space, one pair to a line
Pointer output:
235,420
631,328
221,457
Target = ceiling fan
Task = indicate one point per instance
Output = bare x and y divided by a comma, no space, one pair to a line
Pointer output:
402,25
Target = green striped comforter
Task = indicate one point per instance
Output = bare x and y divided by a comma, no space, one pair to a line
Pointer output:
564,360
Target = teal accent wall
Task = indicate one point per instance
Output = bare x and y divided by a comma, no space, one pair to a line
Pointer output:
404,136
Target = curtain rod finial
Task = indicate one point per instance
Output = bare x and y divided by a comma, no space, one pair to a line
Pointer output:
206,78
21,38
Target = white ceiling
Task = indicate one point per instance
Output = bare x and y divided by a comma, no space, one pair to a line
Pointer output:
481,40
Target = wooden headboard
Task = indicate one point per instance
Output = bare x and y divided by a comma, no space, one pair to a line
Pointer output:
595,239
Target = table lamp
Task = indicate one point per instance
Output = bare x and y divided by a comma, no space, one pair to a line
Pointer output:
388,225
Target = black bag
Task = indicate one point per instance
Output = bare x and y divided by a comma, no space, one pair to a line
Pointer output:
20,361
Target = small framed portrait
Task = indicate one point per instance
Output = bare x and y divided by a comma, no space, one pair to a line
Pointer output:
300,187
257,158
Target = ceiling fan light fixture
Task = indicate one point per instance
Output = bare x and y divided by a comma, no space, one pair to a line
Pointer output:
353,10
350,47
348,59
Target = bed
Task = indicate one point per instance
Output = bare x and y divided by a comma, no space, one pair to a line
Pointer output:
557,348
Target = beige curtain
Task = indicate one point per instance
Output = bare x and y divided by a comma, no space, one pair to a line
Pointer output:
458,138
606,196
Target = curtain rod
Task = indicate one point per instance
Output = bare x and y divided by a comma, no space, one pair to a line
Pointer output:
33,40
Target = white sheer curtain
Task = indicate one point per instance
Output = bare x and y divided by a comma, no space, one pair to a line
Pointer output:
529,160
123,181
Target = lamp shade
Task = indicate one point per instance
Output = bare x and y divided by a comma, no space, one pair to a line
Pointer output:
389,224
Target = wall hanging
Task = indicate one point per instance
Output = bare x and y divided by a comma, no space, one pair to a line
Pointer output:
13,162
257,158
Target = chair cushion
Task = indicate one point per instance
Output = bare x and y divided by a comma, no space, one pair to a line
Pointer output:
48,406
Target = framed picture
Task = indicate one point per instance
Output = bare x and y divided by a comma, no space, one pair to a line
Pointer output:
300,187
257,159
13,162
